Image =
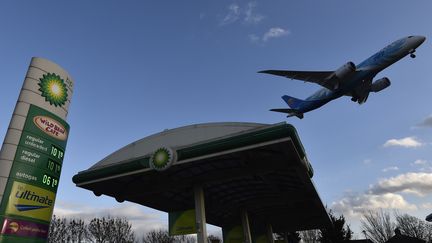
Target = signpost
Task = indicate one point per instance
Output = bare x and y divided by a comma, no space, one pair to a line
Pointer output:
32,153
233,234
182,222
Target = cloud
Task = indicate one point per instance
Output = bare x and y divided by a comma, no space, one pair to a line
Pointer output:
353,205
250,16
419,184
233,14
427,122
387,194
246,14
426,205
391,168
423,165
141,220
275,32
408,142
367,161
420,162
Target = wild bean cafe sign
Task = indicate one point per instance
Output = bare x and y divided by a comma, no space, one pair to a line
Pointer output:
31,157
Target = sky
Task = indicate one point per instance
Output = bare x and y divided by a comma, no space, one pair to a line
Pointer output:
144,66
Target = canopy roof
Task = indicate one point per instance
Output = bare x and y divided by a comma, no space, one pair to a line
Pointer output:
257,167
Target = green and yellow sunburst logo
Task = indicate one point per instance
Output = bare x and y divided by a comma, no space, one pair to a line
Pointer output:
53,89
162,159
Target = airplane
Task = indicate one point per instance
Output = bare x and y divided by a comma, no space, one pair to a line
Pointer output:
429,218
348,80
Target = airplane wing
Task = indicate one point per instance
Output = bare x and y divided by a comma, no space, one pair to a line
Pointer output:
319,77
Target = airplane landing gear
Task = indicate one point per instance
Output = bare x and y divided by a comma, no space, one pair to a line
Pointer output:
412,54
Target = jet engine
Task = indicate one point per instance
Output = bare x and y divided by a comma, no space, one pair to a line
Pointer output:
341,74
380,84
345,71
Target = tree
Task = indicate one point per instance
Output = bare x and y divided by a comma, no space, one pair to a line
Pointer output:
213,238
76,231
293,237
99,230
162,236
414,227
338,233
121,231
310,236
377,225
110,230
57,230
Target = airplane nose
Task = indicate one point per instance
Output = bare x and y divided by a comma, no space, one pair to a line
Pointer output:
422,38
415,41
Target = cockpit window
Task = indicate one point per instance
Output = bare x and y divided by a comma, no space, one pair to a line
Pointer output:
410,36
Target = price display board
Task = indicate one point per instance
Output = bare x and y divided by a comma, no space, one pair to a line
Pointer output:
32,154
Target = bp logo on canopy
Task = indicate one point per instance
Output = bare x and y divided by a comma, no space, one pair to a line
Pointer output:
162,158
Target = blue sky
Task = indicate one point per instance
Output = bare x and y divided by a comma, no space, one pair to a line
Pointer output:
144,66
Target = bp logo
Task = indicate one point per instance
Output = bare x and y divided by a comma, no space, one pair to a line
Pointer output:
53,89
162,159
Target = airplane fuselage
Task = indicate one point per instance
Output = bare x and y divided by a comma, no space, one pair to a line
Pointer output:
358,86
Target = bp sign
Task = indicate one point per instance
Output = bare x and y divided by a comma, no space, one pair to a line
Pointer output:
31,157
162,158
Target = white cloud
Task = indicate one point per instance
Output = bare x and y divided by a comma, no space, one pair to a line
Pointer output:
419,184
353,205
367,161
420,162
250,16
275,32
427,122
141,221
408,142
426,169
233,14
246,14
423,165
391,168
387,194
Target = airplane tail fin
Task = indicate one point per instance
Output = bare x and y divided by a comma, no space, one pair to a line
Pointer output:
292,102
290,112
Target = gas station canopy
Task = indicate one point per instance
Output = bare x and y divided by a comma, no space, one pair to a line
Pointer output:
240,166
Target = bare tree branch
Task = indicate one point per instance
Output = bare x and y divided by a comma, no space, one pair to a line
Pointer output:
377,225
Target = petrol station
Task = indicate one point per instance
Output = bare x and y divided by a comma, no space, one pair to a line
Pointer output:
250,179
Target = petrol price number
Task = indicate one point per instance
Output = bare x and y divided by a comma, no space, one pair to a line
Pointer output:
50,181
54,166
57,153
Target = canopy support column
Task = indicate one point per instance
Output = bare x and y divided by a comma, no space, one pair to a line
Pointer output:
270,233
246,227
200,214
